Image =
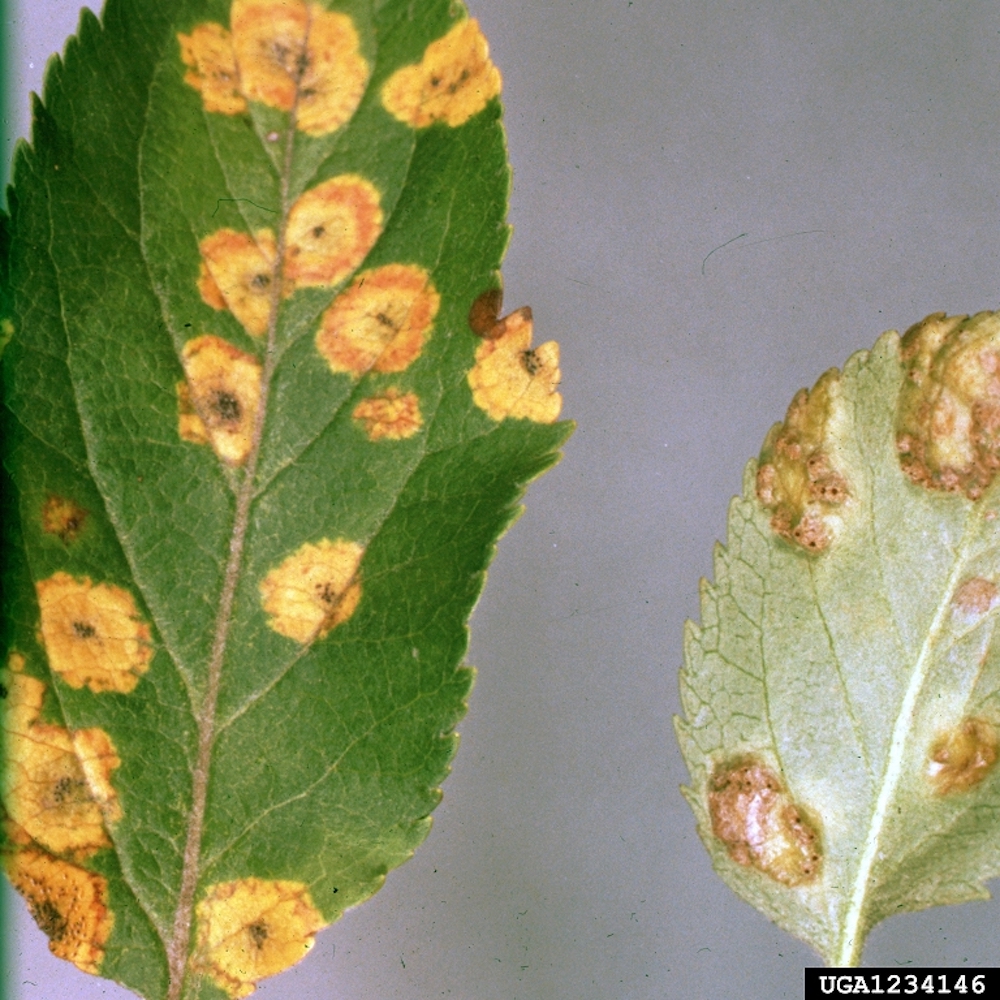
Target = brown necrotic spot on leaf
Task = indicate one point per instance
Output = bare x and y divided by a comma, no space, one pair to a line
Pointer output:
208,54
948,418
975,597
314,590
331,228
761,826
63,518
252,928
393,415
221,398
68,903
453,81
484,315
510,379
237,273
962,757
290,54
381,322
93,634
798,479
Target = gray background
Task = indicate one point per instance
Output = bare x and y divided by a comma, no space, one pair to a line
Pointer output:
852,148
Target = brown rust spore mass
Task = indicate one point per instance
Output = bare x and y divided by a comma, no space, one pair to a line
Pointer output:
798,478
761,825
962,758
948,416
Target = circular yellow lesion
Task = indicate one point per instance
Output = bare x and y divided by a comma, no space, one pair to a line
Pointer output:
512,379
380,322
391,415
237,273
63,518
92,633
314,590
212,71
453,81
218,403
291,55
251,928
331,227
67,902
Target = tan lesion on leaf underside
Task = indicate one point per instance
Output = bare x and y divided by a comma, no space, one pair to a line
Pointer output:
314,590
68,903
56,783
63,518
454,80
510,378
252,928
948,416
390,415
962,757
379,323
761,825
975,597
284,54
799,479
92,633
218,402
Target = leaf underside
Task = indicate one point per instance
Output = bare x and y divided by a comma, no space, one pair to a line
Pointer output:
315,744
841,691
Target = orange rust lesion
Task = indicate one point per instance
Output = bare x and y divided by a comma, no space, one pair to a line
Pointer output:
391,415
281,53
962,757
212,71
314,590
295,55
760,824
218,403
380,323
237,273
453,81
63,518
69,904
252,928
331,227
92,633
510,378
948,415
799,479
56,785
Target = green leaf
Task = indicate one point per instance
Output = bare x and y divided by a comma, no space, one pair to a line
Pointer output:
841,693
255,464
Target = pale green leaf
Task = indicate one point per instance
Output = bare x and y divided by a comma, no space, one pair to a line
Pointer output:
842,691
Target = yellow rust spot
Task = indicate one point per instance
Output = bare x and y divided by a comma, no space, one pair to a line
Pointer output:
760,824
220,400
208,54
314,590
331,228
798,478
252,928
380,322
512,379
306,57
453,81
237,273
961,758
93,634
975,597
63,518
393,415
68,903
948,417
